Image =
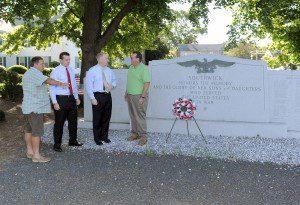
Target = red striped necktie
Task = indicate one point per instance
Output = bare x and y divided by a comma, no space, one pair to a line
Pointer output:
69,81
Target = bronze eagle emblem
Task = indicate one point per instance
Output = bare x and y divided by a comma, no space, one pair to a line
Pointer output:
205,66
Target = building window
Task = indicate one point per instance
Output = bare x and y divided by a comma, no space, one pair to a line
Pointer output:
25,61
77,63
47,60
3,61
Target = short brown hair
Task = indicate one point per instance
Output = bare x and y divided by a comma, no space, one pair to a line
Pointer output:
35,60
62,54
138,55
100,54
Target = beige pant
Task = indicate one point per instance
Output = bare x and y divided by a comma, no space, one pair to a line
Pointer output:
137,115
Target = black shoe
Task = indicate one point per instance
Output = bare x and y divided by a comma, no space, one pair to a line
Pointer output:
75,144
106,140
99,143
57,149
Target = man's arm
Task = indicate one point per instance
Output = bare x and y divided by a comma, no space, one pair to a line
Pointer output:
75,88
126,96
114,80
89,84
51,81
52,88
146,80
145,89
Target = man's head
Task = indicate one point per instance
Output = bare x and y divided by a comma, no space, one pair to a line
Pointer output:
136,58
64,59
38,63
102,59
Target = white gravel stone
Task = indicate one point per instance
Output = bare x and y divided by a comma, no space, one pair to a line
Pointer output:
254,149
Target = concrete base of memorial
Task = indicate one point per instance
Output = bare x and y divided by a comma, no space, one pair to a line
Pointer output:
217,128
244,148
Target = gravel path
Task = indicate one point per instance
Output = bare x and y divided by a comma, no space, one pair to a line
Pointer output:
99,177
253,149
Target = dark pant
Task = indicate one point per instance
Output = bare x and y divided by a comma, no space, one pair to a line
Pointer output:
101,116
67,111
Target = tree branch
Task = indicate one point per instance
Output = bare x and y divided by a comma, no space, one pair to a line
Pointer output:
72,11
114,24
100,17
70,32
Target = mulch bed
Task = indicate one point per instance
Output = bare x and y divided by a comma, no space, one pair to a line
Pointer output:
11,130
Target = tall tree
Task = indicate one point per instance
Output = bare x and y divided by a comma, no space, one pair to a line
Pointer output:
276,19
180,30
116,26
242,50
177,30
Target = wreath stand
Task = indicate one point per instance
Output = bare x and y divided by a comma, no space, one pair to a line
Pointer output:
184,109
187,127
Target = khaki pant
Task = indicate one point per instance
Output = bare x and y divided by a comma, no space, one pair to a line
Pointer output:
137,115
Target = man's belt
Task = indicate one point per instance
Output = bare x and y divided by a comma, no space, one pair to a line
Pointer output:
64,96
103,93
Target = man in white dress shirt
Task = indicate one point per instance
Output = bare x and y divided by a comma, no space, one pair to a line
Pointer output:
100,80
65,102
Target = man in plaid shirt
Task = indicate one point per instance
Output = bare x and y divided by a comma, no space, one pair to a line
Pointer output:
35,104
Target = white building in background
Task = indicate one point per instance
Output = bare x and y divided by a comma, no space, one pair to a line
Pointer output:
50,54
190,49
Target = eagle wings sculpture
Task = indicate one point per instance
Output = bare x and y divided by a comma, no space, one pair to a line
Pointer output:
205,66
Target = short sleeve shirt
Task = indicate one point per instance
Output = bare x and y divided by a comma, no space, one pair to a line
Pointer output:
35,92
136,78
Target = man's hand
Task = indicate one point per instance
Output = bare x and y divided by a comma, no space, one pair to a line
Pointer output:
77,102
108,88
141,100
56,106
126,97
62,84
94,102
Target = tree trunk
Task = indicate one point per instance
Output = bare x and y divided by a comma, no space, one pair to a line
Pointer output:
91,29
93,39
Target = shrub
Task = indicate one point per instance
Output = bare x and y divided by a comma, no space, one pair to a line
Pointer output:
11,87
2,67
125,66
18,69
47,71
2,116
2,75
54,64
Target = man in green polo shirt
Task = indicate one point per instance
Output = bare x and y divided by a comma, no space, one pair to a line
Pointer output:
138,82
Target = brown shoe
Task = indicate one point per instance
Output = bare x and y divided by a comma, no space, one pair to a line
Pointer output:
143,141
133,137
41,159
29,156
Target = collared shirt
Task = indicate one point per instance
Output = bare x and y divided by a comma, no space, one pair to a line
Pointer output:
94,79
35,92
136,78
60,73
